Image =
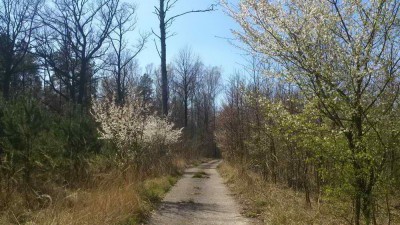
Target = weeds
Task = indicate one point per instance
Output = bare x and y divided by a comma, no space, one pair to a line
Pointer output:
155,189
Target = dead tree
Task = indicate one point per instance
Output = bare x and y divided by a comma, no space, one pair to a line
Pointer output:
165,23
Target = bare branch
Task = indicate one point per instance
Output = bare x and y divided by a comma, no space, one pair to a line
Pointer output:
171,19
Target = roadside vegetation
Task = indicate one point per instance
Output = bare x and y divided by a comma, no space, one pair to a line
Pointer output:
274,203
125,203
57,170
90,136
317,108
84,138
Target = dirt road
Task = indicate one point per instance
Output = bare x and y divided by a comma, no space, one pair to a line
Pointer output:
200,197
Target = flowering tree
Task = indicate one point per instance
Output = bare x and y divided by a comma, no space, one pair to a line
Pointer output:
130,128
159,130
344,54
123,125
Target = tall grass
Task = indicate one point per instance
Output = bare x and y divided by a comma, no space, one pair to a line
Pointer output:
111,199
274,204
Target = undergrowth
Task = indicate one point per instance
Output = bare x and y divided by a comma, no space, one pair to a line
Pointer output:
273,204
114,199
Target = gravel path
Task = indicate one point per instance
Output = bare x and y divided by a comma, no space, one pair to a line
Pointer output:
200,197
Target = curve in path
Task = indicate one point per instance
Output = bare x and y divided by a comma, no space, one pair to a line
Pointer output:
202,200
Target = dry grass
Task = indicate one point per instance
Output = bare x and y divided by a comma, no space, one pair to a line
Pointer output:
115,203
114,199
273,204
99,206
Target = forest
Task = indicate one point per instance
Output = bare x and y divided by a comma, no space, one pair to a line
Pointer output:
310,119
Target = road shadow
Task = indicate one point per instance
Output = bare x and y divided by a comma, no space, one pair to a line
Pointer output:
187,207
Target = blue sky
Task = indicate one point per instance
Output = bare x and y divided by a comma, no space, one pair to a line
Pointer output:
200,31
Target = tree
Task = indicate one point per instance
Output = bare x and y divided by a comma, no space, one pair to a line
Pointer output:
210,89
81,27
17,24
145,89
233,117
130,128
61,67
165,23
125,83
187,69
26,80
121,56
345,55
158,81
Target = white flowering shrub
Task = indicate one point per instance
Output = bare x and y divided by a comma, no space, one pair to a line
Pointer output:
132,130
159,130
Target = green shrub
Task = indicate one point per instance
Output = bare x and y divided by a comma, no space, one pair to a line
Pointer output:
40,148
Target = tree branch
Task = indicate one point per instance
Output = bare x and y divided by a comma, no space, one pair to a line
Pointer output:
171,19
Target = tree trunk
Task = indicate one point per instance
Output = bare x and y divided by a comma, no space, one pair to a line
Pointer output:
274,159
306,185
164,76
83,84
7,76
6,85
120,97
357,209
186,110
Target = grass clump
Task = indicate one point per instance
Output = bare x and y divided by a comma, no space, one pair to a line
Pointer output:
155,189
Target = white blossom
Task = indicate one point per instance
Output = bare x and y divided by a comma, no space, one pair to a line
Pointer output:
129,126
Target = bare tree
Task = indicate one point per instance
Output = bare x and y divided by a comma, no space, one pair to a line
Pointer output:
17,24
211,87
187,68
83,26
121,55
235,103
165,23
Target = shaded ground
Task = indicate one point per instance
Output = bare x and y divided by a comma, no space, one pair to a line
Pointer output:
200,197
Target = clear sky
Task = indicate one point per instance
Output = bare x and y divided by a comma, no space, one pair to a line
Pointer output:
200,31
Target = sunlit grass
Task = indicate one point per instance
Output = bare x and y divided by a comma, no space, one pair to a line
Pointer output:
274,204
113,200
